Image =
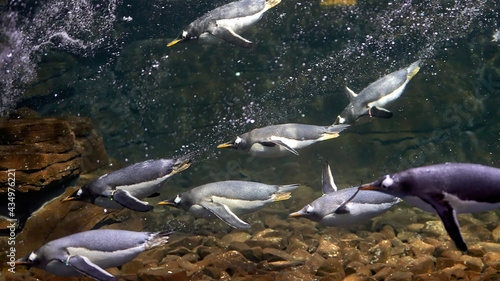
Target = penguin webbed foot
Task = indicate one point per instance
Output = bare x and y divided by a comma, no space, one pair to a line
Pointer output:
125,199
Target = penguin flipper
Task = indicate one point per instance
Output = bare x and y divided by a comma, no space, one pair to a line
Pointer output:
327,180
449,218
352,94
342,210
283,144
156,194
225,214
85,266
379,112
230,36
125,199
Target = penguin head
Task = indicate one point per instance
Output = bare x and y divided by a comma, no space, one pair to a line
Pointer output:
309,212
176,201
33,259
389,184
237,143
82,194
189,34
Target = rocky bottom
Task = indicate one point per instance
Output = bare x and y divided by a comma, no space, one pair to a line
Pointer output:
403,244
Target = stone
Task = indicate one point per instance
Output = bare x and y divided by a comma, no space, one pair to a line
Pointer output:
400,276
381,251
273,221
383,273
492,259
353,267
356,277
434,228
46,150
224,261
236,236
273,254
162,274
490,247
418,247
328,249
455,272
300,254
331,265
496,234
388,232
421,265
472,263
267,238
294,244
415,227
442,263
253,254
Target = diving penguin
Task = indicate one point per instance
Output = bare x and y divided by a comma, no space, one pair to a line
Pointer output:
372,99
126,187
229,199
226,22
90,252
280,140
446,189
330,209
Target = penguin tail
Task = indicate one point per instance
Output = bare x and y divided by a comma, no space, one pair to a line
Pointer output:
158,239
287,188
413,69
335,129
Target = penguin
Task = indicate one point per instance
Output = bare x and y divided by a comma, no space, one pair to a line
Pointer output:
90,252
229,199
446,189
226,22
330,209
372,99
126,187
280,140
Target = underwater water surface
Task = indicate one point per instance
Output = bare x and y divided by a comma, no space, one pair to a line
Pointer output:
109,61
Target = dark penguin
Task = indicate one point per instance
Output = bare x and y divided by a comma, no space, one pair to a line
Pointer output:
280,140
226,22
126,187
372,99
90,252
229,199
446,189
330,209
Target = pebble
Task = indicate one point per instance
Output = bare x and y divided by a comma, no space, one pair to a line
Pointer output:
434,228
421,265
327,249
496,234
162,274
419,247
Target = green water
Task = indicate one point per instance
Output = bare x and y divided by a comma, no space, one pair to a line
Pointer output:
148,101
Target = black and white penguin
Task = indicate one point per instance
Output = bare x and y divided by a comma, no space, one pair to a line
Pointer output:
226,22
229,199
446,189
90,252
372,99
280,140
126,187
330,209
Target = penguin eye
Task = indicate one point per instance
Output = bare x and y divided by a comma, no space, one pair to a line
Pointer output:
238,141
79,193
184,34
177,199
309,209
32,257
387,182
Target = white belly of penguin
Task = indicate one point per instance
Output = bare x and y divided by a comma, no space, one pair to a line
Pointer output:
469,206
239,206
138,190
238,25
260,150
358,212
390,97
100,258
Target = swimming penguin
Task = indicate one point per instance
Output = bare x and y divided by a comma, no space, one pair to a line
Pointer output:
330,209
226,22
229,199
372,99
279,140
446,189
126,187
90,252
